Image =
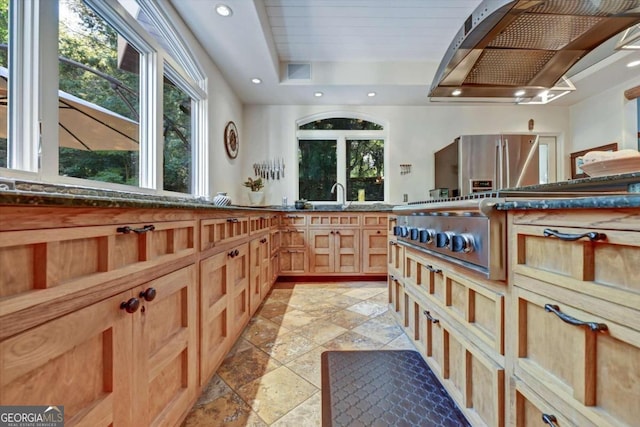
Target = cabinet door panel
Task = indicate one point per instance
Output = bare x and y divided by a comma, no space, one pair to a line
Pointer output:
239,281
215,319
165,353
255,282
82,360
293,261
347,251
321,251
374,251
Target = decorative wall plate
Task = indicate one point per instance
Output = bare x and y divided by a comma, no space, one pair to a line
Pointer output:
231,140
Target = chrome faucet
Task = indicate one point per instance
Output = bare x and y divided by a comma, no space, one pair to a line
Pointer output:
344,193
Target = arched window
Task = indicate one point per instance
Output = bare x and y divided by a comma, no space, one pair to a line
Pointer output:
341,149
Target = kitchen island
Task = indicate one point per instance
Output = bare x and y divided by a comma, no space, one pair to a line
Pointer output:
556,340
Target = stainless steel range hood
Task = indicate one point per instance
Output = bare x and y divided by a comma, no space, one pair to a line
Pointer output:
525,46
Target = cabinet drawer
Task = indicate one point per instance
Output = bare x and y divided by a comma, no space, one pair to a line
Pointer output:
470,300
395,258
474,380
396,298
215,232
289,220
607,269
53,257
322,220
595,372
373,220
533,411
258,224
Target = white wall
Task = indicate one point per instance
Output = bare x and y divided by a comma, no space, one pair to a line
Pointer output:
414,134
605,118
223,106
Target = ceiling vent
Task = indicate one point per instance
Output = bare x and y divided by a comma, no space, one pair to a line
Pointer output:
298,71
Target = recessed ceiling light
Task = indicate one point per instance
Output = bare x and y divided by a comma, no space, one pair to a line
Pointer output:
318,94
520,93
371,94
456,92
224,10
633,64
256,81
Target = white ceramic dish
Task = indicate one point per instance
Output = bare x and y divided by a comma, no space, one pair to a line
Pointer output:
612,166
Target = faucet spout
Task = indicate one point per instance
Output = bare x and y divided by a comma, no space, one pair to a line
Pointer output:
344,193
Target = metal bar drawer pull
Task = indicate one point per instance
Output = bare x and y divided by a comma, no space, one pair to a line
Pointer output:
430,317
592,235
126,229
596,327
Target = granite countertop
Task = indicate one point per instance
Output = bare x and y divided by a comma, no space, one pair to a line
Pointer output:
40,194
587,202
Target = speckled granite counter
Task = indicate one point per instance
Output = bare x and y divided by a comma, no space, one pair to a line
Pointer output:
596,202
38,194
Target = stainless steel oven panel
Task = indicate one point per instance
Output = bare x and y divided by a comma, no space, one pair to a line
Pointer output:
485,234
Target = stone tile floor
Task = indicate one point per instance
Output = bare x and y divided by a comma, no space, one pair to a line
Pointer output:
271,377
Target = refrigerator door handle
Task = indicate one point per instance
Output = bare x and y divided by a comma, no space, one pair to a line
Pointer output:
498,171
507,164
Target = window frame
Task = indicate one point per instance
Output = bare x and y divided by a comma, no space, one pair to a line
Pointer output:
33,106
341,137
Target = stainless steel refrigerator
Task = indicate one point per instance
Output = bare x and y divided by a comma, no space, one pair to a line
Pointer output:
474,163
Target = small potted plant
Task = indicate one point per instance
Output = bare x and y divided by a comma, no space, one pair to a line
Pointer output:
255,196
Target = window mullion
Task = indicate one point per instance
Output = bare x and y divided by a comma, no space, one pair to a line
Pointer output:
24,86
151,74
341,160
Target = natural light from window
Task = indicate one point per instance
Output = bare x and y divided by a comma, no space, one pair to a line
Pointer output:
349,151
98,99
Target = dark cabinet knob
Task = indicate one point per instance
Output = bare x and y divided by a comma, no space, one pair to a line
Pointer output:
236,252
148,294
130,306
230,254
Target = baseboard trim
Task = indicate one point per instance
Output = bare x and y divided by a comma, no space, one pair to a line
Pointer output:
342,278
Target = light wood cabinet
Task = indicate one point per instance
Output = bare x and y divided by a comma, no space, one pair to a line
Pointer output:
219,231
215,314
473,378
259,271
374,251
82,360
335,250
238,279
395,258
108,366
165,349
576,305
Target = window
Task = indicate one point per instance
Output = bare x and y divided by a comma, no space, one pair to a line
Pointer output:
347,150
317,169
177,138
99,105
107,125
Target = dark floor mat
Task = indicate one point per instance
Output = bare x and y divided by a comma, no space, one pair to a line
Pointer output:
384,388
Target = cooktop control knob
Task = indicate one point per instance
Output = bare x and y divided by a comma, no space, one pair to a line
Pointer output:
413,233
426,235
396,230
404,231
443,239
461,243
